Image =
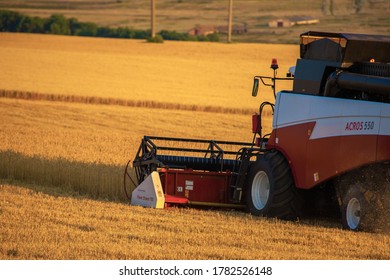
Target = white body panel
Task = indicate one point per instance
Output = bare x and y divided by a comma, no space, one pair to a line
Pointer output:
149,193
333,116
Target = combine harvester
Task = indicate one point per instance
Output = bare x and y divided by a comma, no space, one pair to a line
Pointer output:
330,142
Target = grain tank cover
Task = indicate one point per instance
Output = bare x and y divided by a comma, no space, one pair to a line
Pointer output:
345,48
323,53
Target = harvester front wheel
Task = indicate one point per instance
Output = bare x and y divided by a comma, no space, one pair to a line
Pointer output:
271,191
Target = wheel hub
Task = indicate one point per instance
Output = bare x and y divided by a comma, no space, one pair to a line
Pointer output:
260,190
353,213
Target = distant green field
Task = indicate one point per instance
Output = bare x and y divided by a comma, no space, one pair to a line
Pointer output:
182,15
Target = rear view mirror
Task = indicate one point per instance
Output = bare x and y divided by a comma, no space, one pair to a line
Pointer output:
255,87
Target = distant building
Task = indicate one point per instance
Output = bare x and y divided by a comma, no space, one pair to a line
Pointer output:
288,22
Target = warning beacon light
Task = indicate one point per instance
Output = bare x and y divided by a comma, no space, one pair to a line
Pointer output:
274,64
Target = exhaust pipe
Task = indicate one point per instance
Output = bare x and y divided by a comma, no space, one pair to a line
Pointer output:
351,81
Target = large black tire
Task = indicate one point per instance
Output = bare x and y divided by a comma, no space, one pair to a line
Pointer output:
271,191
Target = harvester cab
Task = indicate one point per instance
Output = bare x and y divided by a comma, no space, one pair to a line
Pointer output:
335,147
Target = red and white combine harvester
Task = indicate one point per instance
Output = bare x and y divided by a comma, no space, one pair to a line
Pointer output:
329,145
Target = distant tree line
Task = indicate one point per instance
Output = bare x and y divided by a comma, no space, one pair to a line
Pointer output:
11,21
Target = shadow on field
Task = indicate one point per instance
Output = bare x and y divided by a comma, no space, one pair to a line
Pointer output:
95,180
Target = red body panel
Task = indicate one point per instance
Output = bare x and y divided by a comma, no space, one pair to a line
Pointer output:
314,161
196,185
293,148
383,148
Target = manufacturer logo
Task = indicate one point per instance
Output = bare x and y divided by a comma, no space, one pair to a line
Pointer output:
362,125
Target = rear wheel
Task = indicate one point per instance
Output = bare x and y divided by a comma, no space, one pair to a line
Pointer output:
355,212
271,191
364,198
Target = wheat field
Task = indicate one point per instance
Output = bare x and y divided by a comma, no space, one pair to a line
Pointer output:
37,225
177,72
73,111
87,146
